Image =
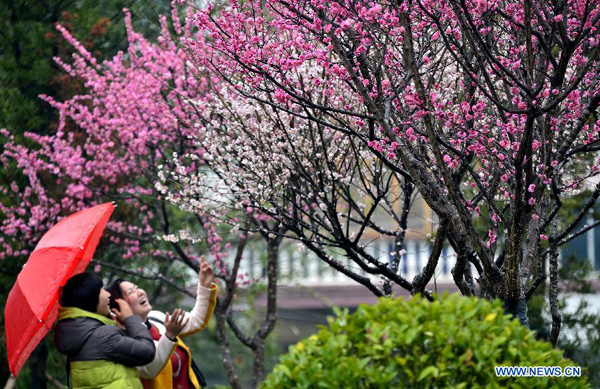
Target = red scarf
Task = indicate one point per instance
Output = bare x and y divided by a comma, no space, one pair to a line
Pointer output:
179,362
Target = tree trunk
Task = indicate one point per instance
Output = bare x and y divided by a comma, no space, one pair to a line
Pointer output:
259,364
226,348
518,308
553,288
268,323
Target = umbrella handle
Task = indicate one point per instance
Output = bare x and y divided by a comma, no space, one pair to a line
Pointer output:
10,383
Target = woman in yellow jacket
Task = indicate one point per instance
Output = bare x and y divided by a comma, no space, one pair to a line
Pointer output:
172,363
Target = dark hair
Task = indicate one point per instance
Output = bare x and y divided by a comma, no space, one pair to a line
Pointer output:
82,291
115,292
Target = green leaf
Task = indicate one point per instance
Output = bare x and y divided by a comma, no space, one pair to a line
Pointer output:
429,370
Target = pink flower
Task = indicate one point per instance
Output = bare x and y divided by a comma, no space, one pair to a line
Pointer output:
481,5
346,24
281,96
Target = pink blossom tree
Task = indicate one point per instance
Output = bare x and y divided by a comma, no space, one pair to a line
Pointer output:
489,108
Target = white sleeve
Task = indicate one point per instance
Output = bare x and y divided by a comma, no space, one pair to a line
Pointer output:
164,349
198,314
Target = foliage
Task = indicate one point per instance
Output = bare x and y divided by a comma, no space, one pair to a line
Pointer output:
452,342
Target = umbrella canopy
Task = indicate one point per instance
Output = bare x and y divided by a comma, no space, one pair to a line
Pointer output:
32,305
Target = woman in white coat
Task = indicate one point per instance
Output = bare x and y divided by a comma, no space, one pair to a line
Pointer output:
172,366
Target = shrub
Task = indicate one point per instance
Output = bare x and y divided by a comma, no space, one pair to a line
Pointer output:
452,342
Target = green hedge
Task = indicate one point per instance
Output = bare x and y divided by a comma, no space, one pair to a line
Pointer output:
454,342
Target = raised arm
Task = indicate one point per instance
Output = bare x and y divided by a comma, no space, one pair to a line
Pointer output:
206,299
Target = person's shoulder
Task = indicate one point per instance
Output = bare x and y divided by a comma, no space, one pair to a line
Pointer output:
78,324
157,315
104,337
72,334
104,330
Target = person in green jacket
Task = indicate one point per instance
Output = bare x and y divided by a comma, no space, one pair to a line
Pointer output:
99,353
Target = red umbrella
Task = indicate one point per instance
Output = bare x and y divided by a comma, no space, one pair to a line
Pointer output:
32,305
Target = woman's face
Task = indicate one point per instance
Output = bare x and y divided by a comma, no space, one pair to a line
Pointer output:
136,298
103,300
